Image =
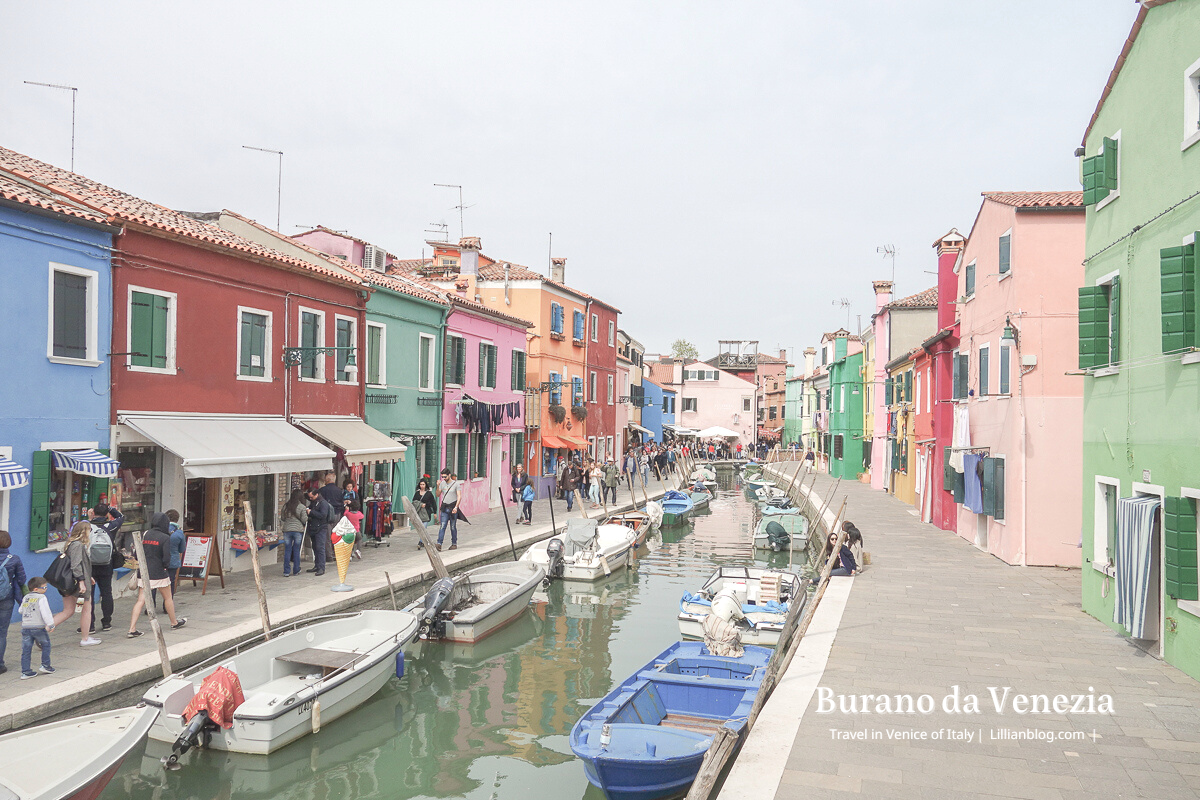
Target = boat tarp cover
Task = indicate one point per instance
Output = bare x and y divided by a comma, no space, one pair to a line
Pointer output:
579,535
770,607
674,495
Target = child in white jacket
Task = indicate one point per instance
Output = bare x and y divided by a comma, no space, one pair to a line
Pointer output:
36,623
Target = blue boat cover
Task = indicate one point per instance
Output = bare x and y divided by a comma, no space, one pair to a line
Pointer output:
770,607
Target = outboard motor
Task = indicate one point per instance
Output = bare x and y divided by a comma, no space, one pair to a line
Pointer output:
777,536
554,558
437,600
197,733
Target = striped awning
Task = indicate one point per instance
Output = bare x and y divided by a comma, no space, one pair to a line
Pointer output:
86,462
12,475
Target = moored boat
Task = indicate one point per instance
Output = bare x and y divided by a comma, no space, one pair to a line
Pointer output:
790,531
469,607
640,522
780,507
291,683
700,500
584,551
765,596
676,507
92,748
647,737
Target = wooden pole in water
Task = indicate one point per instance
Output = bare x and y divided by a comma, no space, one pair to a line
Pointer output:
144,578
504,508
435,560
391,590
723,744
553,524
825,505
252,540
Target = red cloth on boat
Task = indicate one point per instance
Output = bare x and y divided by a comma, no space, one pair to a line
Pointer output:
219,695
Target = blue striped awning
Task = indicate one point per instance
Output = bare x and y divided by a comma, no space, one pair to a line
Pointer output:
12,475
87,462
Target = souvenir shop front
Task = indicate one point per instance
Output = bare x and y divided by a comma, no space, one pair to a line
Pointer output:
206,467
362,455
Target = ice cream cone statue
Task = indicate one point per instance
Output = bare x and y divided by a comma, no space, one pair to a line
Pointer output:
343,546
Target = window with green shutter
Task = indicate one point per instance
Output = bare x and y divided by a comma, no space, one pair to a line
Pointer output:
887,391
1177,269
962,367
252,358
1179,528
1101,173
908,386
895,455
456,360
149,317
988,493
39,490
947,471
1005,253
970,280
516,449
984,370
517,379
1114,320
1093,326
312,335
487,365
457,455
1005,359
70,314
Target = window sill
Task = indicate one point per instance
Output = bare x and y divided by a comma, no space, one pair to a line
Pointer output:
487,388
1113,195
1104,372
77,362
311,380
558,337
1189,606
255,378
1188,142
1190,358
577,342
151,370
1004,275
1104,569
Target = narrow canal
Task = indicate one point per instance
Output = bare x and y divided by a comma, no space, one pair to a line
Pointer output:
490,721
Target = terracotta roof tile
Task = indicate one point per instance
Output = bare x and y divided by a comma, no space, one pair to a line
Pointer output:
925,299
662,374
14,187
1037,199
119,207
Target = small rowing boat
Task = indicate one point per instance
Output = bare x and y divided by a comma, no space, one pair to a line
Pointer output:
782,532
481,601
676,507
584,551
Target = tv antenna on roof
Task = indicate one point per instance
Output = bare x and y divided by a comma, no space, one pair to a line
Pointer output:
844,302
74,91
439,229
889,251
460,205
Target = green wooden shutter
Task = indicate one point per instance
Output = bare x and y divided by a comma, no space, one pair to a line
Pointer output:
964,369
39,513
493,353
1093,326
247,345
460,360
895,455
887,391
160,308
448,359
1177,268
1111,179
462,456
908,386
1005,253
141,329
998,487
960,487
482,364
984,371
955,380
1094,189
989,486
970,280
512,373
947,471
99,485
1179,524
1114,321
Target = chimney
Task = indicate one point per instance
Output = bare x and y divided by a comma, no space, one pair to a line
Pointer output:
558,269
469,255
810,360
883,294
783,353
949,248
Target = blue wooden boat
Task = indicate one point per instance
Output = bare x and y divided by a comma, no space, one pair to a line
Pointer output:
647,737
676,507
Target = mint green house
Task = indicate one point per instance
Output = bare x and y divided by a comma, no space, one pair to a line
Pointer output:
845,412
1139,347
793,403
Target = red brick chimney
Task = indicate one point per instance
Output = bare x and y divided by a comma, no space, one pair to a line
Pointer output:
948,248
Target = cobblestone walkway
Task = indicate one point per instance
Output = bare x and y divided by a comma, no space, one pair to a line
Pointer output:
933,612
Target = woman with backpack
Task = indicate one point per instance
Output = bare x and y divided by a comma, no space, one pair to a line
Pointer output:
80,564
295,519
12,582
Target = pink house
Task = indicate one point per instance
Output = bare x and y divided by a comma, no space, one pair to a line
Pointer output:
711,397
1018,338
483,410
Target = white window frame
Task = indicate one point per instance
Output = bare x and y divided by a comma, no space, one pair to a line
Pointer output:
172,309
592,446
999,372
609,452
466,368
747,403
267,375
591,396
323,342
1100,554
5,504
1003,275
611,383
984,374
1190,606
1114,193
496,350
338,377
974,267
366,365
91,329
595,328
695,406
612,333
1191,106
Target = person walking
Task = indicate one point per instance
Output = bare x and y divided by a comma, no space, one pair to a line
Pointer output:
527,497
570,482
611,476
594,484
293,521
321,515
81,575
449,497
109,519
644,467
12,579
36,624
155,543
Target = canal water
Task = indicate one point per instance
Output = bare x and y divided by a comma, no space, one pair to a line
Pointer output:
489,721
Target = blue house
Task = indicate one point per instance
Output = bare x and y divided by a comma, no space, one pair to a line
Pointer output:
56,317
668,406
652,413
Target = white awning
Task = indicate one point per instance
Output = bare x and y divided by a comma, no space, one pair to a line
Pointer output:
717,432
231,446
637,427
362,443
86,462
12,475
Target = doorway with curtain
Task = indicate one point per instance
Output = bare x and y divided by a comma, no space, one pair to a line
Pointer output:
495,471
1138,570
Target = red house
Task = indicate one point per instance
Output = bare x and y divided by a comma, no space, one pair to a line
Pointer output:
602,384
234,367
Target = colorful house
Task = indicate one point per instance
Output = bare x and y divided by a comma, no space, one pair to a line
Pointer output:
55,393
711,397
600,351
1138,342
845,408
898,393
652,415
1018,280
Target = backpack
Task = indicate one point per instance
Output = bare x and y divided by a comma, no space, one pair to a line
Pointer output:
6,588
100,550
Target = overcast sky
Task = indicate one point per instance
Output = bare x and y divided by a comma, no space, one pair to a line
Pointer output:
715,170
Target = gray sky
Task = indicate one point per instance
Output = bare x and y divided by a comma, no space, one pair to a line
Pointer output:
715,170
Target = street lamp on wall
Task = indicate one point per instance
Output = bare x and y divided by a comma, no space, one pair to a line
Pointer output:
1009,337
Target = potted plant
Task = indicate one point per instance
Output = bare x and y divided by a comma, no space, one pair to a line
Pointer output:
558,413
579,412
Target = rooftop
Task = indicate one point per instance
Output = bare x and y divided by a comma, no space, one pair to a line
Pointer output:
925,299
1037,199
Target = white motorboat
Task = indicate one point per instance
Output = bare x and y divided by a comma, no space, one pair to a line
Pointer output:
91,748
640,522
584,551
790,527
765,595
302,676
766,493
481,601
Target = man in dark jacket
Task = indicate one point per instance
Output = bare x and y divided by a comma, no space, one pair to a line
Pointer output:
571,476
110,519
333,495
320,522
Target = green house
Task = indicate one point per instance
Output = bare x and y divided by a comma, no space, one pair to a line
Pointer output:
1139,348
845,405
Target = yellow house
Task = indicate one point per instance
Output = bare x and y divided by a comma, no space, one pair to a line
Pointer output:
902,430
